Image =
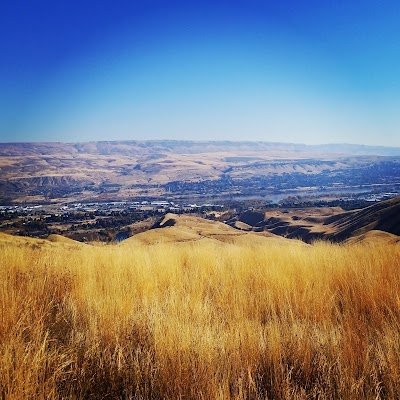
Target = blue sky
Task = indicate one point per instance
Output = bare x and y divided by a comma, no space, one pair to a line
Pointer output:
289,71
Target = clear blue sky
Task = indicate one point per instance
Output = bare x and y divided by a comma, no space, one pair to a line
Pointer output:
293,71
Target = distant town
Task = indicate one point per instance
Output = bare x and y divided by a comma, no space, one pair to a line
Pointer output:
108,191
117,220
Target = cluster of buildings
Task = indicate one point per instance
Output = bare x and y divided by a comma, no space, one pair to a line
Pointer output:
118,206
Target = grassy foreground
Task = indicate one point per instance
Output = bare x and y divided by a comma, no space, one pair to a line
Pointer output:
201,320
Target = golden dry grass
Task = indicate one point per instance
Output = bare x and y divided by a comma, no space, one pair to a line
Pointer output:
199,320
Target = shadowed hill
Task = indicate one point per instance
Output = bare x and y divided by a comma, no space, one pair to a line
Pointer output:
324,223
375,237
184,228
51,241
383,216
257,226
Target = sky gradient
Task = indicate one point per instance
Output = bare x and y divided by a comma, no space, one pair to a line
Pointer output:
291,71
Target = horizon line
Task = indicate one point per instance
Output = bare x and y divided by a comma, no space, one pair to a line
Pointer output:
196,141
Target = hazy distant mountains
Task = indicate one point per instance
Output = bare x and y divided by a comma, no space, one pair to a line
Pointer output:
355,149
188,147
108,170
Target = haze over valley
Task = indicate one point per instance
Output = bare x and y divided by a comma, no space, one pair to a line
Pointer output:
192,171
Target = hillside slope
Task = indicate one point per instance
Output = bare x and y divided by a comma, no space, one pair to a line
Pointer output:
330,223
185,228
53,241
383,216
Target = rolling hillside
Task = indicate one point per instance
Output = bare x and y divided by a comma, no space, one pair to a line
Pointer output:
324,223
197,309
186,228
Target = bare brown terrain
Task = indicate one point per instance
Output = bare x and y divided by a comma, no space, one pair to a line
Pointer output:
328,223
59,172
187,228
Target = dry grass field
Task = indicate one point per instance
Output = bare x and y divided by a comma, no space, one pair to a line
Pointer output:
199,319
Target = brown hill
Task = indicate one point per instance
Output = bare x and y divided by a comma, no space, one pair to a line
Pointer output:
375,237
383,216
184,228
328,223
24,241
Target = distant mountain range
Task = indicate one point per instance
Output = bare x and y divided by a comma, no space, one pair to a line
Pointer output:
109,170
187,147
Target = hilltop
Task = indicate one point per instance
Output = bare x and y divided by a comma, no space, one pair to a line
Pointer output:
187,228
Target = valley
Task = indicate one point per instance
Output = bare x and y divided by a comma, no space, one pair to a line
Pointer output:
109,191
188,171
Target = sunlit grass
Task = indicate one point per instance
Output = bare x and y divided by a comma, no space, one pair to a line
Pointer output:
200,320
